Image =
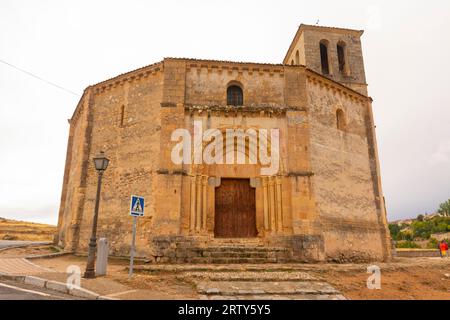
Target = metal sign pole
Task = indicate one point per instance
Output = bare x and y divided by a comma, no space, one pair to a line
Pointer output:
133,241
137,206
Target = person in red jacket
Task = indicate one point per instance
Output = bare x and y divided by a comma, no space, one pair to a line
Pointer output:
443,247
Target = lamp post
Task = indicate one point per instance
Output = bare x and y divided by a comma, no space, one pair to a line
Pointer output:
101,163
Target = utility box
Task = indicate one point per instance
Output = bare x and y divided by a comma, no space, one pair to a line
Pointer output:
102,257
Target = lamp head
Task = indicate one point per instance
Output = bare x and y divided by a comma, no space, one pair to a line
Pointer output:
101,161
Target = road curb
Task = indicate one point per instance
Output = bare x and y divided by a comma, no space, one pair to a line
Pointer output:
49,255
12,278
26,245
55,286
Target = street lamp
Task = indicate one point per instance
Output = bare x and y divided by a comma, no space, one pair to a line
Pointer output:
101,163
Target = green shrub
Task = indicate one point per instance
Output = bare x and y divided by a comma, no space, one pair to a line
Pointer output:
395,230
424,229
405,235
407,244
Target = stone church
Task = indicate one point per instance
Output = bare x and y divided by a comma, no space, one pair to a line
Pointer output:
324,201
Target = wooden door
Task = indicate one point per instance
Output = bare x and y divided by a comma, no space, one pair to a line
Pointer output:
235,211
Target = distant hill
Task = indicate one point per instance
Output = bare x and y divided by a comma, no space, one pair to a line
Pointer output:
423,232
426,217
26,231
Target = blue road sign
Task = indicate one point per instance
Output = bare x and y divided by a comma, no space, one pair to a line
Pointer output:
137,206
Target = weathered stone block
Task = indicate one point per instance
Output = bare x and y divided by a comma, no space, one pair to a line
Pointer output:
35,281
83,293
57,286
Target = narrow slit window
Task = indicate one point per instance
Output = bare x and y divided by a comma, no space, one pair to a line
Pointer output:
324,58
342,58
122,115
340,120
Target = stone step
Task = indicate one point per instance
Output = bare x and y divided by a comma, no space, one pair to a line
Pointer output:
247,254
225,268
275,276
243,249
208,260
246,288
237,254
239,241
233,254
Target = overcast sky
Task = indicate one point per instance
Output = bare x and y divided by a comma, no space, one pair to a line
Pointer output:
78,43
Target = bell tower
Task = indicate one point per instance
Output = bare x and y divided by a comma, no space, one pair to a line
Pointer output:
333,52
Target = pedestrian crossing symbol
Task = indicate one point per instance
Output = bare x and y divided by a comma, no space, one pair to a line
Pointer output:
137,206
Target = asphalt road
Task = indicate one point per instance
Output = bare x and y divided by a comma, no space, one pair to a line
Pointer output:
18,291
8,243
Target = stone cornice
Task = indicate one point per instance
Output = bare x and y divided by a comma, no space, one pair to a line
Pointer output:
337,87
226,62
128,77
234,111
230,66
300,174
331,29
117,81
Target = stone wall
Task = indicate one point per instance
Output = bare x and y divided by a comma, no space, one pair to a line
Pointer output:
74,185
420,253
207,82
124,122
441,236
349,205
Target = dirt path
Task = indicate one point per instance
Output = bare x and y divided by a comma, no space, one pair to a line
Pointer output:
27,251
408,279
